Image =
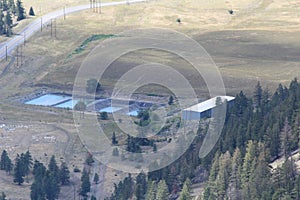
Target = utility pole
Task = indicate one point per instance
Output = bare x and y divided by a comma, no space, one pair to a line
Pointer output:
51,27
24,38
100,6
17,56
54,28
41,24
21,55
64,12
6,53
94,6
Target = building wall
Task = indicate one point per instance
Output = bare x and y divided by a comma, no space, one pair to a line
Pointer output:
192,115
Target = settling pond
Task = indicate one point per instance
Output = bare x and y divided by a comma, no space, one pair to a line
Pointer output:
99,105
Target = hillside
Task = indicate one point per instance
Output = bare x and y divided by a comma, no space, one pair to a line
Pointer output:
250,41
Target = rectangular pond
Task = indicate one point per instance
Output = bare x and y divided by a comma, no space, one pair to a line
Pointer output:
49,100
68,104
133,113
110,109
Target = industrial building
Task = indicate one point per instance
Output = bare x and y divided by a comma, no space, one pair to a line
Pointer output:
204,109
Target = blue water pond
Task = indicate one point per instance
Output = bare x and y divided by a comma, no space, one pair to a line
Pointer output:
133,113
49,100
110,109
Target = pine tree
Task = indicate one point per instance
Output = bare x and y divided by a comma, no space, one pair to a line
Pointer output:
235,178
103,115
19,172
171,100
115,152
2,24
222,178
141,186
127,189
151,191
85,184
5,5
37,189
275,141
132,145
8,166
260,184
154,148
53,168
20,11
8,22
3,160
248,167
27,162
89,159
214,169
258,95
12,6
288,175
92,86
185,194
51,185
81,107
64,174
3,196
211,190
248,160
96,178
114,139
162,191
39,170
286,136
31,12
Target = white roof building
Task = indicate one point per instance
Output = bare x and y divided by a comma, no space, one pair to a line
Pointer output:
203,109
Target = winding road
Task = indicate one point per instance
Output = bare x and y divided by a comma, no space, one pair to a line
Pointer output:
35,26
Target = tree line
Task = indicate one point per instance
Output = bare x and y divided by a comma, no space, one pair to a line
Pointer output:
258,130
47,181
142,188
251,176
9,9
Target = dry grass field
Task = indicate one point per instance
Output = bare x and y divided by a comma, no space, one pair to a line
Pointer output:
248,46
259,42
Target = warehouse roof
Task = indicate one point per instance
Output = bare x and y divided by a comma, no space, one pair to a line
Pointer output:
208,104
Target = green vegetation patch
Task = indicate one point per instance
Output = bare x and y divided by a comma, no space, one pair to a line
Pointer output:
86,42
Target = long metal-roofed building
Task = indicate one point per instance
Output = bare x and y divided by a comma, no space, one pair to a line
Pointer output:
203,109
